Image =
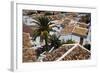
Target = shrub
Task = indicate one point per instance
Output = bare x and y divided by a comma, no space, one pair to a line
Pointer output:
87,46
70,41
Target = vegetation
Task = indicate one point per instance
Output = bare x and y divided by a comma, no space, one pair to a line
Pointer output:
55,42
87,46
43,29
81,40
48,13
69,41
86,18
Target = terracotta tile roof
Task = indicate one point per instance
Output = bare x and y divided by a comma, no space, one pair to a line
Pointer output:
67,30
79,31
77,52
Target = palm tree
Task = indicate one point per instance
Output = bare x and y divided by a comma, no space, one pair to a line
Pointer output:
42,30
54,40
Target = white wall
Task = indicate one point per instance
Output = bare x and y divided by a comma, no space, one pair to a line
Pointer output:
5,35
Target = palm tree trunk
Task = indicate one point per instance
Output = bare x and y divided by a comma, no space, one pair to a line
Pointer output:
46,40
46,43
81,40
41,39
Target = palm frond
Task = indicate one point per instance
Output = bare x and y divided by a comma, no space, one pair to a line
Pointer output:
36,33
36,22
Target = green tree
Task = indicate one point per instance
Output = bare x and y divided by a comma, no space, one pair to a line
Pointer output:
42,29
55,42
